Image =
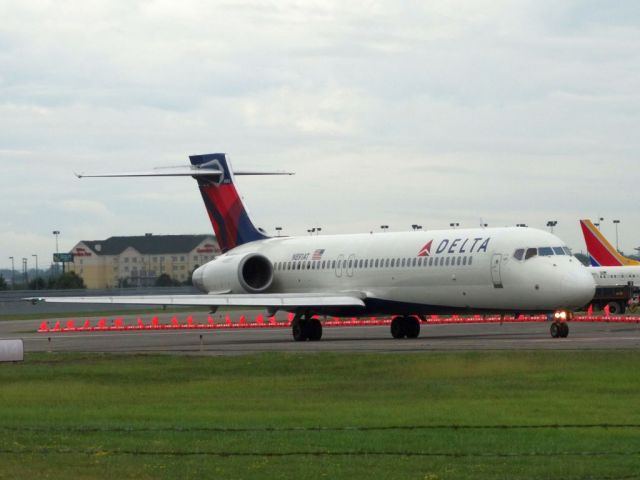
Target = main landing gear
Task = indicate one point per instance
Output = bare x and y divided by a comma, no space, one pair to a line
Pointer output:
305,327
402,327
559,328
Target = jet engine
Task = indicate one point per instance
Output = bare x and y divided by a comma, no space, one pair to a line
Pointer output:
247,273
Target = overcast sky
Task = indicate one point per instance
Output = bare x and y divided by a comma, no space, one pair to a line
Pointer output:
390,112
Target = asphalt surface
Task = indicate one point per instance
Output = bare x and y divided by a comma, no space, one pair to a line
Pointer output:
522,336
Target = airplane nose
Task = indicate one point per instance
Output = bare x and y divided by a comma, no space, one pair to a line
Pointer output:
578,288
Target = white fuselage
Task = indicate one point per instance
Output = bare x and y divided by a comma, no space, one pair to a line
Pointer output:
615,276
424,271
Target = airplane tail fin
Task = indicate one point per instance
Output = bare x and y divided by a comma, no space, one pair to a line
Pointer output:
226,210
215,178
601,252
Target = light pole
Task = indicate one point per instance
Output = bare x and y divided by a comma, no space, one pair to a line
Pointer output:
601,219
384,227
415,227
523,225
616,223
454,224
13,274
551,224
278,229
24,272
36,282
56,233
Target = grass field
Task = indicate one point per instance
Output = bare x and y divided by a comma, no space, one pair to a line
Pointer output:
529,415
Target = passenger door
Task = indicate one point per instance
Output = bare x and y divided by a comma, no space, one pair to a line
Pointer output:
496,260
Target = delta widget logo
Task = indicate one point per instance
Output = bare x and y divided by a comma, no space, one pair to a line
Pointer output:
426,250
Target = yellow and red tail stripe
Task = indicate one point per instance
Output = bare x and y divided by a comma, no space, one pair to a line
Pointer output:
601,252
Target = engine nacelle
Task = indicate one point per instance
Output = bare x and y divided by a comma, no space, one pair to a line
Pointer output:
248,273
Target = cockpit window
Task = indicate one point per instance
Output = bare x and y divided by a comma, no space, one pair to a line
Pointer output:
545,251
531,252
567,251
518,254
558,250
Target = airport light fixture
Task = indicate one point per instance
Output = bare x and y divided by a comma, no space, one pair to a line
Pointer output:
36,256
278,229
616,223
416,227
384,227
24,270
56,233
454,224
13,273
551,224
523,225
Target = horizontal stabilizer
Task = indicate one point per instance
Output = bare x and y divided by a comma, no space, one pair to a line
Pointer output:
185,171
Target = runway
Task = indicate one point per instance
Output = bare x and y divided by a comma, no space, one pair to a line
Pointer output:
522,336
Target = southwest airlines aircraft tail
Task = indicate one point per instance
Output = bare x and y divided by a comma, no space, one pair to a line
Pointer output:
601,252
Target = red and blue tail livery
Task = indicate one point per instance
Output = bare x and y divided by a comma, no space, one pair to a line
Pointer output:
601,252
227,213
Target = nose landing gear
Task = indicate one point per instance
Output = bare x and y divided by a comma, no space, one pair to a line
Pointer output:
559,328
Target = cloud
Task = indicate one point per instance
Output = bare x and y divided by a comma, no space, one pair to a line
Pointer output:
392,112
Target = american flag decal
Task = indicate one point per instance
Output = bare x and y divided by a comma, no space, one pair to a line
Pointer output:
317,255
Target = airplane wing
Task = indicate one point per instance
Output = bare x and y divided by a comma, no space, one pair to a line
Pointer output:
284,300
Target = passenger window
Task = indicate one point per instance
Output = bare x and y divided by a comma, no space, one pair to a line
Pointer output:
518,254
531,252
350,264
403,262
545,251
333,264
415,261
558,250
447,262
431,261
442,261
464,261
386,263
470,260
420,262
393,262
459,261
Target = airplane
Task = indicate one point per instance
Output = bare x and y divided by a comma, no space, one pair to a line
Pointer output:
609,267
601,252
406,274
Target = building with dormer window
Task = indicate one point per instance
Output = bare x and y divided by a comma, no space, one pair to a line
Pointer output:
139,261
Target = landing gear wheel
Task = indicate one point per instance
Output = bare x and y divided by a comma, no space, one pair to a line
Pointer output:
615,308
411,327
402,327
299,330
555,330
315,330
564,330
397,327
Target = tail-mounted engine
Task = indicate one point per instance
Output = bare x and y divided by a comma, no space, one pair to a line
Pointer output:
248,273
